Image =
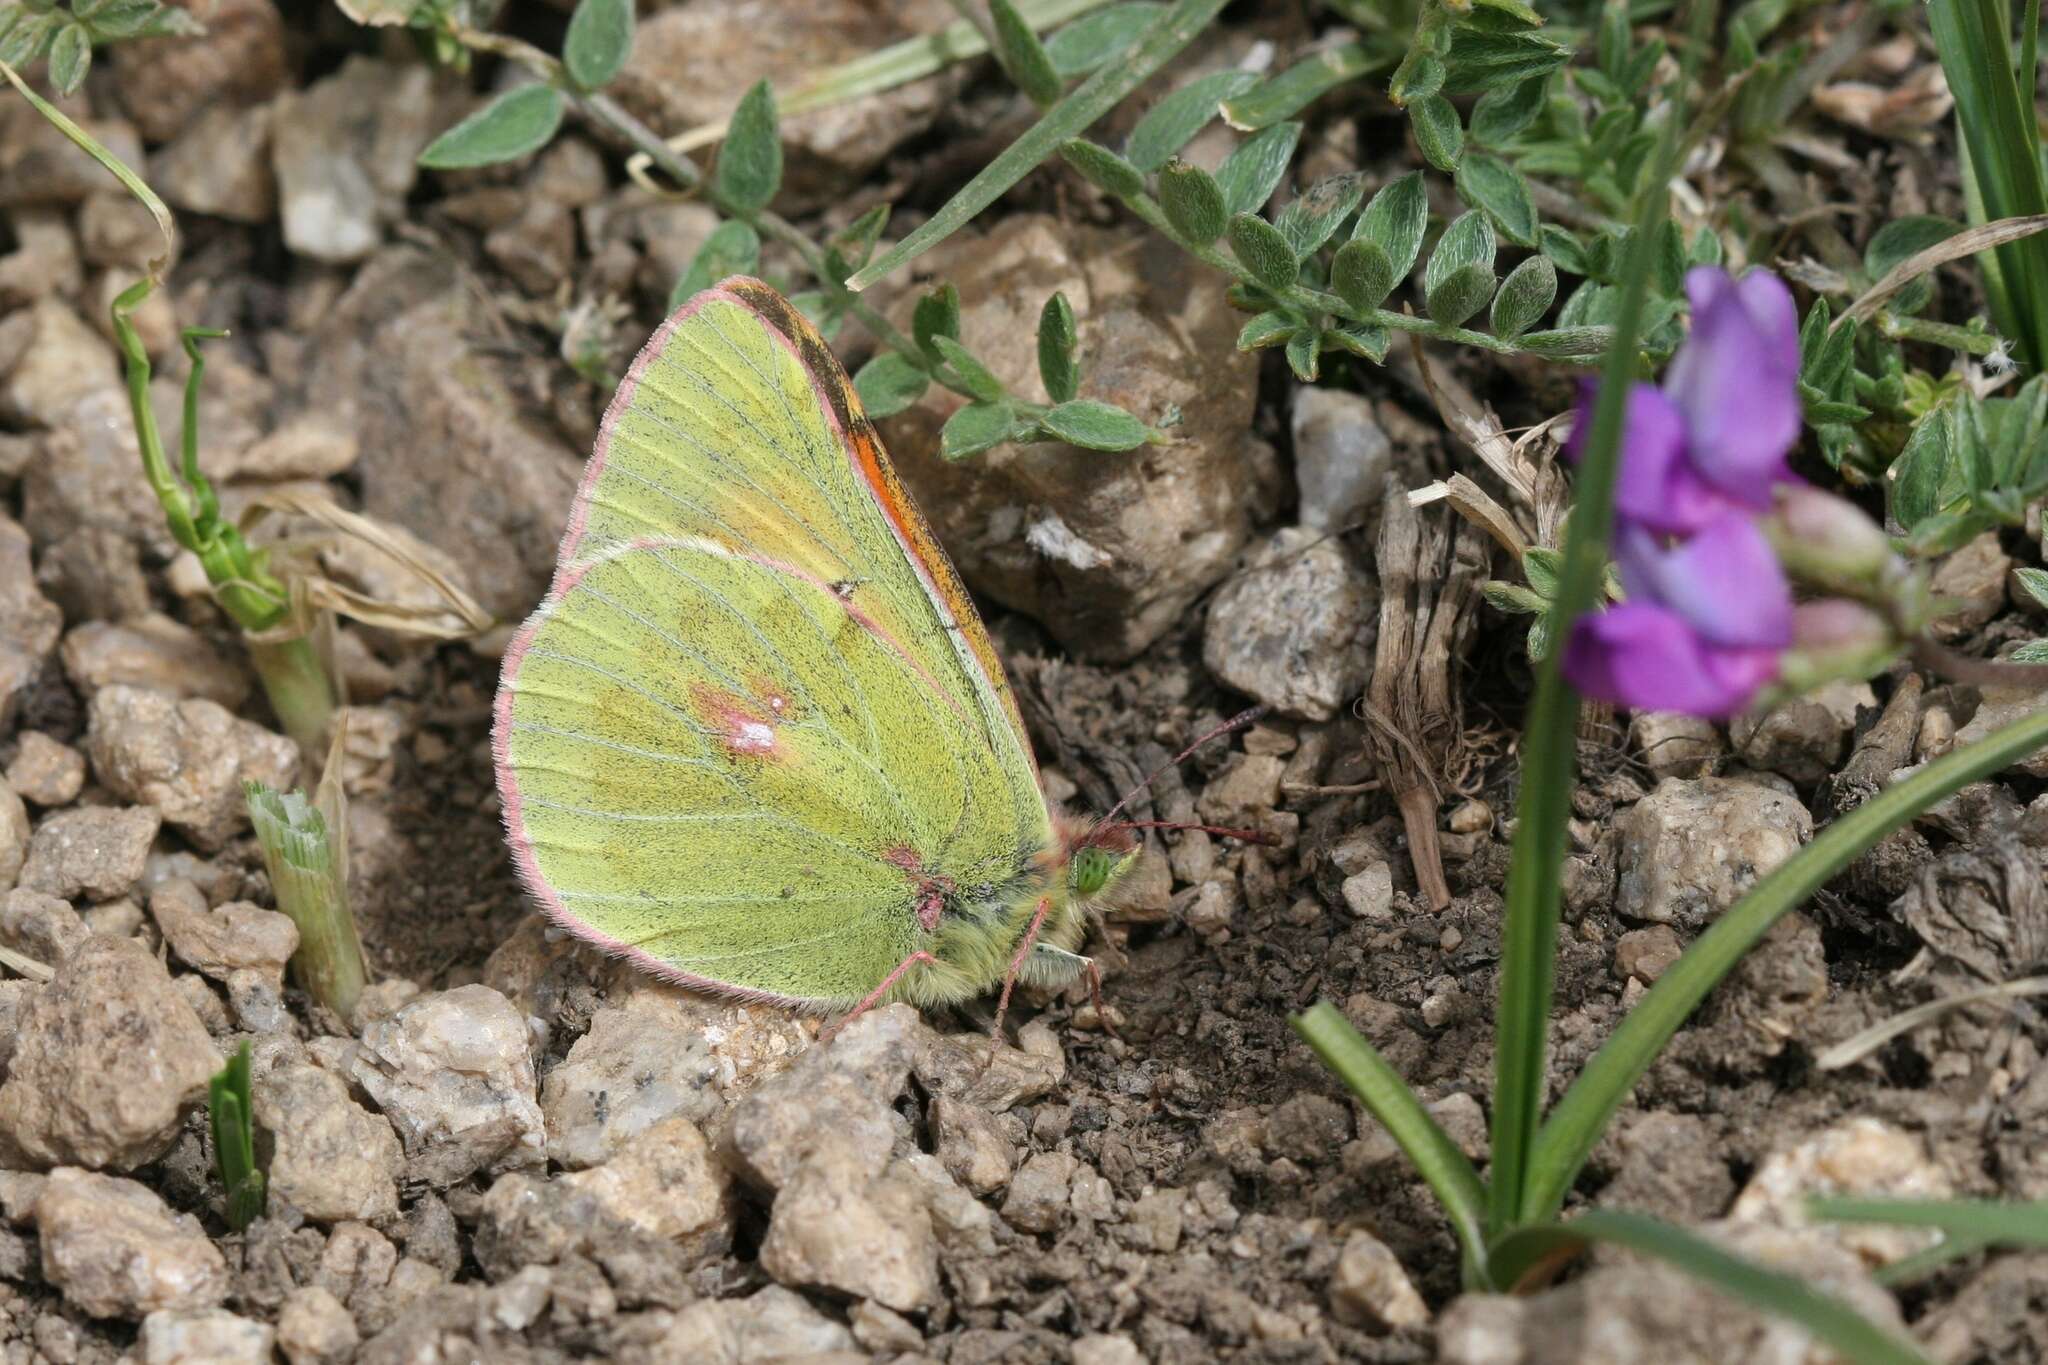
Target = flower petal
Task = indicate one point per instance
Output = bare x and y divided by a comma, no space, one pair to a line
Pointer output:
1654,487
1725,582
1646,657
1736,380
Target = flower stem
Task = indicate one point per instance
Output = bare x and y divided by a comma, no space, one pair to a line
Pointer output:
300,689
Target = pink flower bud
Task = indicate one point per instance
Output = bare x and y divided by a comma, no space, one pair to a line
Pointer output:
1836,623
1820,536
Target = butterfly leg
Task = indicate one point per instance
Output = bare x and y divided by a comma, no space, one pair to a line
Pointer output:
995,1034
831,1030
1095,998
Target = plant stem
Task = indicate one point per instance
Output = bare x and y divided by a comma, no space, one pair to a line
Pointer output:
300,689
308,878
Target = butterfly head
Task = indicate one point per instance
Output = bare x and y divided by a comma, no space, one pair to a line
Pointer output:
1095,866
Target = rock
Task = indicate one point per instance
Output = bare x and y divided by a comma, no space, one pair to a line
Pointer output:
44,261
1370,1289
220,165
2001,706
446,453
45,928
1107,1348
771,1324
188,759
1645,954
115,229
14,836
40,165
1341,457
44,771
163,82
1037,1201
204,1336
29,622
1107,552
1308,1128
837,1229
1857,1158
1690,848
116,1251
1155,1221
15,995
1803,739
332,1160
1246,788
93,851
93,520
1370,894
969,1145
662,1192
313,1328
155,652
451,1062
834,1102
346,150
637,1066
959,1065
306,447
1771,996
218,942
108,1057
1627,1311
882,1332
60,361
1673,744
1972,582
689,64
1294,629
962,1224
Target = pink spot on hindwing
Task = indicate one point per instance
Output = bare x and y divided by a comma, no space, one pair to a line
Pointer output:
746,724
931,890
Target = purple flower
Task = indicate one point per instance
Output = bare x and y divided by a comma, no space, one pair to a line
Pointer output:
1714,438
1702,631
1709,611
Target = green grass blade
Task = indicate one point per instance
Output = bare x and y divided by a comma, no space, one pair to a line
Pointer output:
1987,1222
1088,102
1575,1125
130,181
1536,867
1399,1109
1974,40
231,1114
1831,1321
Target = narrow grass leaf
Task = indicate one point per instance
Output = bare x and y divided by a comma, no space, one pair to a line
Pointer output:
1087,102
1086,43
513,125
1300,85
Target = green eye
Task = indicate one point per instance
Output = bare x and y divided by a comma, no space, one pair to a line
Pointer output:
1092,867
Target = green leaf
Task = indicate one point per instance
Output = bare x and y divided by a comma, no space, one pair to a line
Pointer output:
733,248
1361,274
856,241
1173,122
1097,426
1366,339
1304,355
1093,39
1023,57
599,40
1313,216
1395,222
1250,174
1525,295
1460,294
513,125
1490,184
973,429
889,383
1568,343
231,1115
28,40
1543,568
1263,251
937,315
1103,168
1056,341
1466,243
1270,328
1777,1292
1918,475
973,375
1424,78
1899,239
2034,582
1512,598
1505,111
70,58
750,160
1193,202
1437,131
1562,248
2032,652
1482,60
1297,87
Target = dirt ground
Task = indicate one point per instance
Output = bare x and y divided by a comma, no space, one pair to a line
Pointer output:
623,1171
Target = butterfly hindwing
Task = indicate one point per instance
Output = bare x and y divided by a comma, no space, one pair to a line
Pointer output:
750,732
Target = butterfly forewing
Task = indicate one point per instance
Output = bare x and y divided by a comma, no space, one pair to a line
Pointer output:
747,733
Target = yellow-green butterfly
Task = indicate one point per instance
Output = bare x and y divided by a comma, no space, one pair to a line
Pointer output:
756,738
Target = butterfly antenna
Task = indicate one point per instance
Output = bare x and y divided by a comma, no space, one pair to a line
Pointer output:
1250,836
1242,720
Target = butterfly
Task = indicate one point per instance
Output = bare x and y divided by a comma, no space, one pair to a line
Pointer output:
756,738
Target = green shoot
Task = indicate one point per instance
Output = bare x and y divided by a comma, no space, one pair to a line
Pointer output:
232,1114
306,853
